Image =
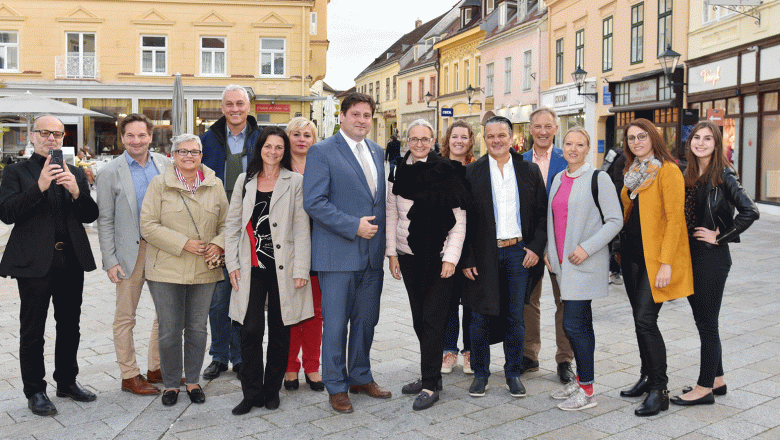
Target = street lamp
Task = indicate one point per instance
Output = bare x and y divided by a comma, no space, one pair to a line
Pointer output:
669,60
579,76
428,98
470,94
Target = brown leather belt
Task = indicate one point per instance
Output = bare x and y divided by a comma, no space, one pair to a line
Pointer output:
509,242
60,245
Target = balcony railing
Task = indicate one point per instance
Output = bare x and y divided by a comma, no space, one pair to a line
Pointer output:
76,66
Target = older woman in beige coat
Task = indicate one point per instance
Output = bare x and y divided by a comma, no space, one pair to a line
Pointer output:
268,255
182,220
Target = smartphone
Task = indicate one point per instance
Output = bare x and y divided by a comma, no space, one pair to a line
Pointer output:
56,157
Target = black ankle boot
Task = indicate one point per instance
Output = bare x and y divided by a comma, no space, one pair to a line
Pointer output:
656,401
640,387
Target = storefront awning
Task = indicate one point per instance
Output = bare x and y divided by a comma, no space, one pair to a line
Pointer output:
642,106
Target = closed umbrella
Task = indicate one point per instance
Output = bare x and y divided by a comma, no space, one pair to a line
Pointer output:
178,121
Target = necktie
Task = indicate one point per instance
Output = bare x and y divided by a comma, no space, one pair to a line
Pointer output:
366,168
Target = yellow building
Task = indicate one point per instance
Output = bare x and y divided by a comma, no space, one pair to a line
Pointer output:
616,43
120,57
734,80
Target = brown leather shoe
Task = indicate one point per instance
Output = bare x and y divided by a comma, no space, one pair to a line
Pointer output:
340,402
154,376
372,389
139,385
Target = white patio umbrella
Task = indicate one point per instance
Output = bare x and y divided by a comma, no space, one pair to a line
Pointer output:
178,116
30,106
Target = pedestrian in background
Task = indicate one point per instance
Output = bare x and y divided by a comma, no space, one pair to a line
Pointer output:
392,152
182,220
579,229
426,226
458,145
712,191
305,337
656,258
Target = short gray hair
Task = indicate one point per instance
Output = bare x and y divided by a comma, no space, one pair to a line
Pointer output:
233,87
420,123
541,110
182,138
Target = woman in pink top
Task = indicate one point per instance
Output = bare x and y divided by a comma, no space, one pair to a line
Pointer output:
578,232
426,226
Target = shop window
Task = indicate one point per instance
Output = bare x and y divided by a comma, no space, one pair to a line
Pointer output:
212,55
706,105
154,49
751,104
696,106
159,111
606,44
637,33
732,107
770,159
9,51
720,104
205,112
100,133
272,56
770,102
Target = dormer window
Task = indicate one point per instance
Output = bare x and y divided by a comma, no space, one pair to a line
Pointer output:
469,10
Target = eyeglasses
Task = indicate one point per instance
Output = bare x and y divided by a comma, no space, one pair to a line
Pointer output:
638,138
418,140
193,153
47,133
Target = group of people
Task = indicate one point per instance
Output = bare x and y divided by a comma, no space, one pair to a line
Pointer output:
244,222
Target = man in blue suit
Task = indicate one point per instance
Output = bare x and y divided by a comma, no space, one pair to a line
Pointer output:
550,159
344,193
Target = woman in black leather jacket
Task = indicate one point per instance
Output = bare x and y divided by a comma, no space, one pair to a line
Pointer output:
712,191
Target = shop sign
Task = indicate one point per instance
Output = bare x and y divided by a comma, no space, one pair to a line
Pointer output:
606,96
716,116
712,76
561,99
272,108
643,90
389,114
446,112
210,114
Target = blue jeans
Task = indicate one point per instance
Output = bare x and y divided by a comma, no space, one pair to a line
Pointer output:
225,337
513,279
578,325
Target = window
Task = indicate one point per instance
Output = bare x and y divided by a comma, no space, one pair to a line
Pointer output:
466,73
479,71
212,55
387,89
153,51
313,24
9,51
559,61
579,49
370,89
376,98
502,14
466,17
421,98
408,92
637,33
621,93
527,60
433,90
446,80
395,87
489,6
272,56
664,25
81,60
711,14
507,75
456,83
489,80
606,44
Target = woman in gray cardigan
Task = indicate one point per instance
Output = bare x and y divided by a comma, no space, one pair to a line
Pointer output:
578,233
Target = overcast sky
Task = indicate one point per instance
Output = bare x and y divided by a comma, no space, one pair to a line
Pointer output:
360,30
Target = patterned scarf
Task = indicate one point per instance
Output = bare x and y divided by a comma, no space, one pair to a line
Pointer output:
641,175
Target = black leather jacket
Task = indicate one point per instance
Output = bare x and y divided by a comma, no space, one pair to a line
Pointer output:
719,208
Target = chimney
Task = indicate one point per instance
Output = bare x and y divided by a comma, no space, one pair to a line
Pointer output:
417,23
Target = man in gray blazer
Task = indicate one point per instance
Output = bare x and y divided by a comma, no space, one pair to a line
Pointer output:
121,186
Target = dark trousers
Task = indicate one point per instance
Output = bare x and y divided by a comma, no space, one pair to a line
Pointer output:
710,270
652,350
225,337
454,322
259,385
63,285
429,294
513,279
578,325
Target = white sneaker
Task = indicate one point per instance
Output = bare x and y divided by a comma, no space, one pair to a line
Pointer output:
448,361
616,279
567,391
467,363
578,401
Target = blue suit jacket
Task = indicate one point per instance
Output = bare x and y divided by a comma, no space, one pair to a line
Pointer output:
557,164
336,195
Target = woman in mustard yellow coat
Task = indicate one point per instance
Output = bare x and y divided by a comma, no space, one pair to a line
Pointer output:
656,259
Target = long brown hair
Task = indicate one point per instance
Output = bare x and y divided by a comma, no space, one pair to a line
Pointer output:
445,144
656,141
714,171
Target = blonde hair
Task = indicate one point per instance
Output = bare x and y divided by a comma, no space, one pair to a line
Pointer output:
580,130
300,123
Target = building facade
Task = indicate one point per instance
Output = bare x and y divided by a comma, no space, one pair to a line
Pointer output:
120,57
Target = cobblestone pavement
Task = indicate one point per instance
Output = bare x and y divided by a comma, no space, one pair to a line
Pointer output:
750,331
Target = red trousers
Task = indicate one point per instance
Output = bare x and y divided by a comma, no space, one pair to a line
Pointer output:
307,335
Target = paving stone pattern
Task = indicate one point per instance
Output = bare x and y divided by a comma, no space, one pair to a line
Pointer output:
750,330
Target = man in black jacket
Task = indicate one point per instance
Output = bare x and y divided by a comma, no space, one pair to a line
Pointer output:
506,237
48,252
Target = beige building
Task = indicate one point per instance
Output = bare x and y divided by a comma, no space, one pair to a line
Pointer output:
120,57
616,43
734,80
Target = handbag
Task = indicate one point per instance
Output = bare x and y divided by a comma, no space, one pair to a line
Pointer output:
211,264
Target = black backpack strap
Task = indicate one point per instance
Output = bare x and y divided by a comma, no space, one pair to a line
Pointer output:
594,189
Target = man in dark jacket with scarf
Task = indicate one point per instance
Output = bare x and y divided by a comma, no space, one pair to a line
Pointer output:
227,147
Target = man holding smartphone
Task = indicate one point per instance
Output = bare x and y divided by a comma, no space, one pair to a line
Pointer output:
48,252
